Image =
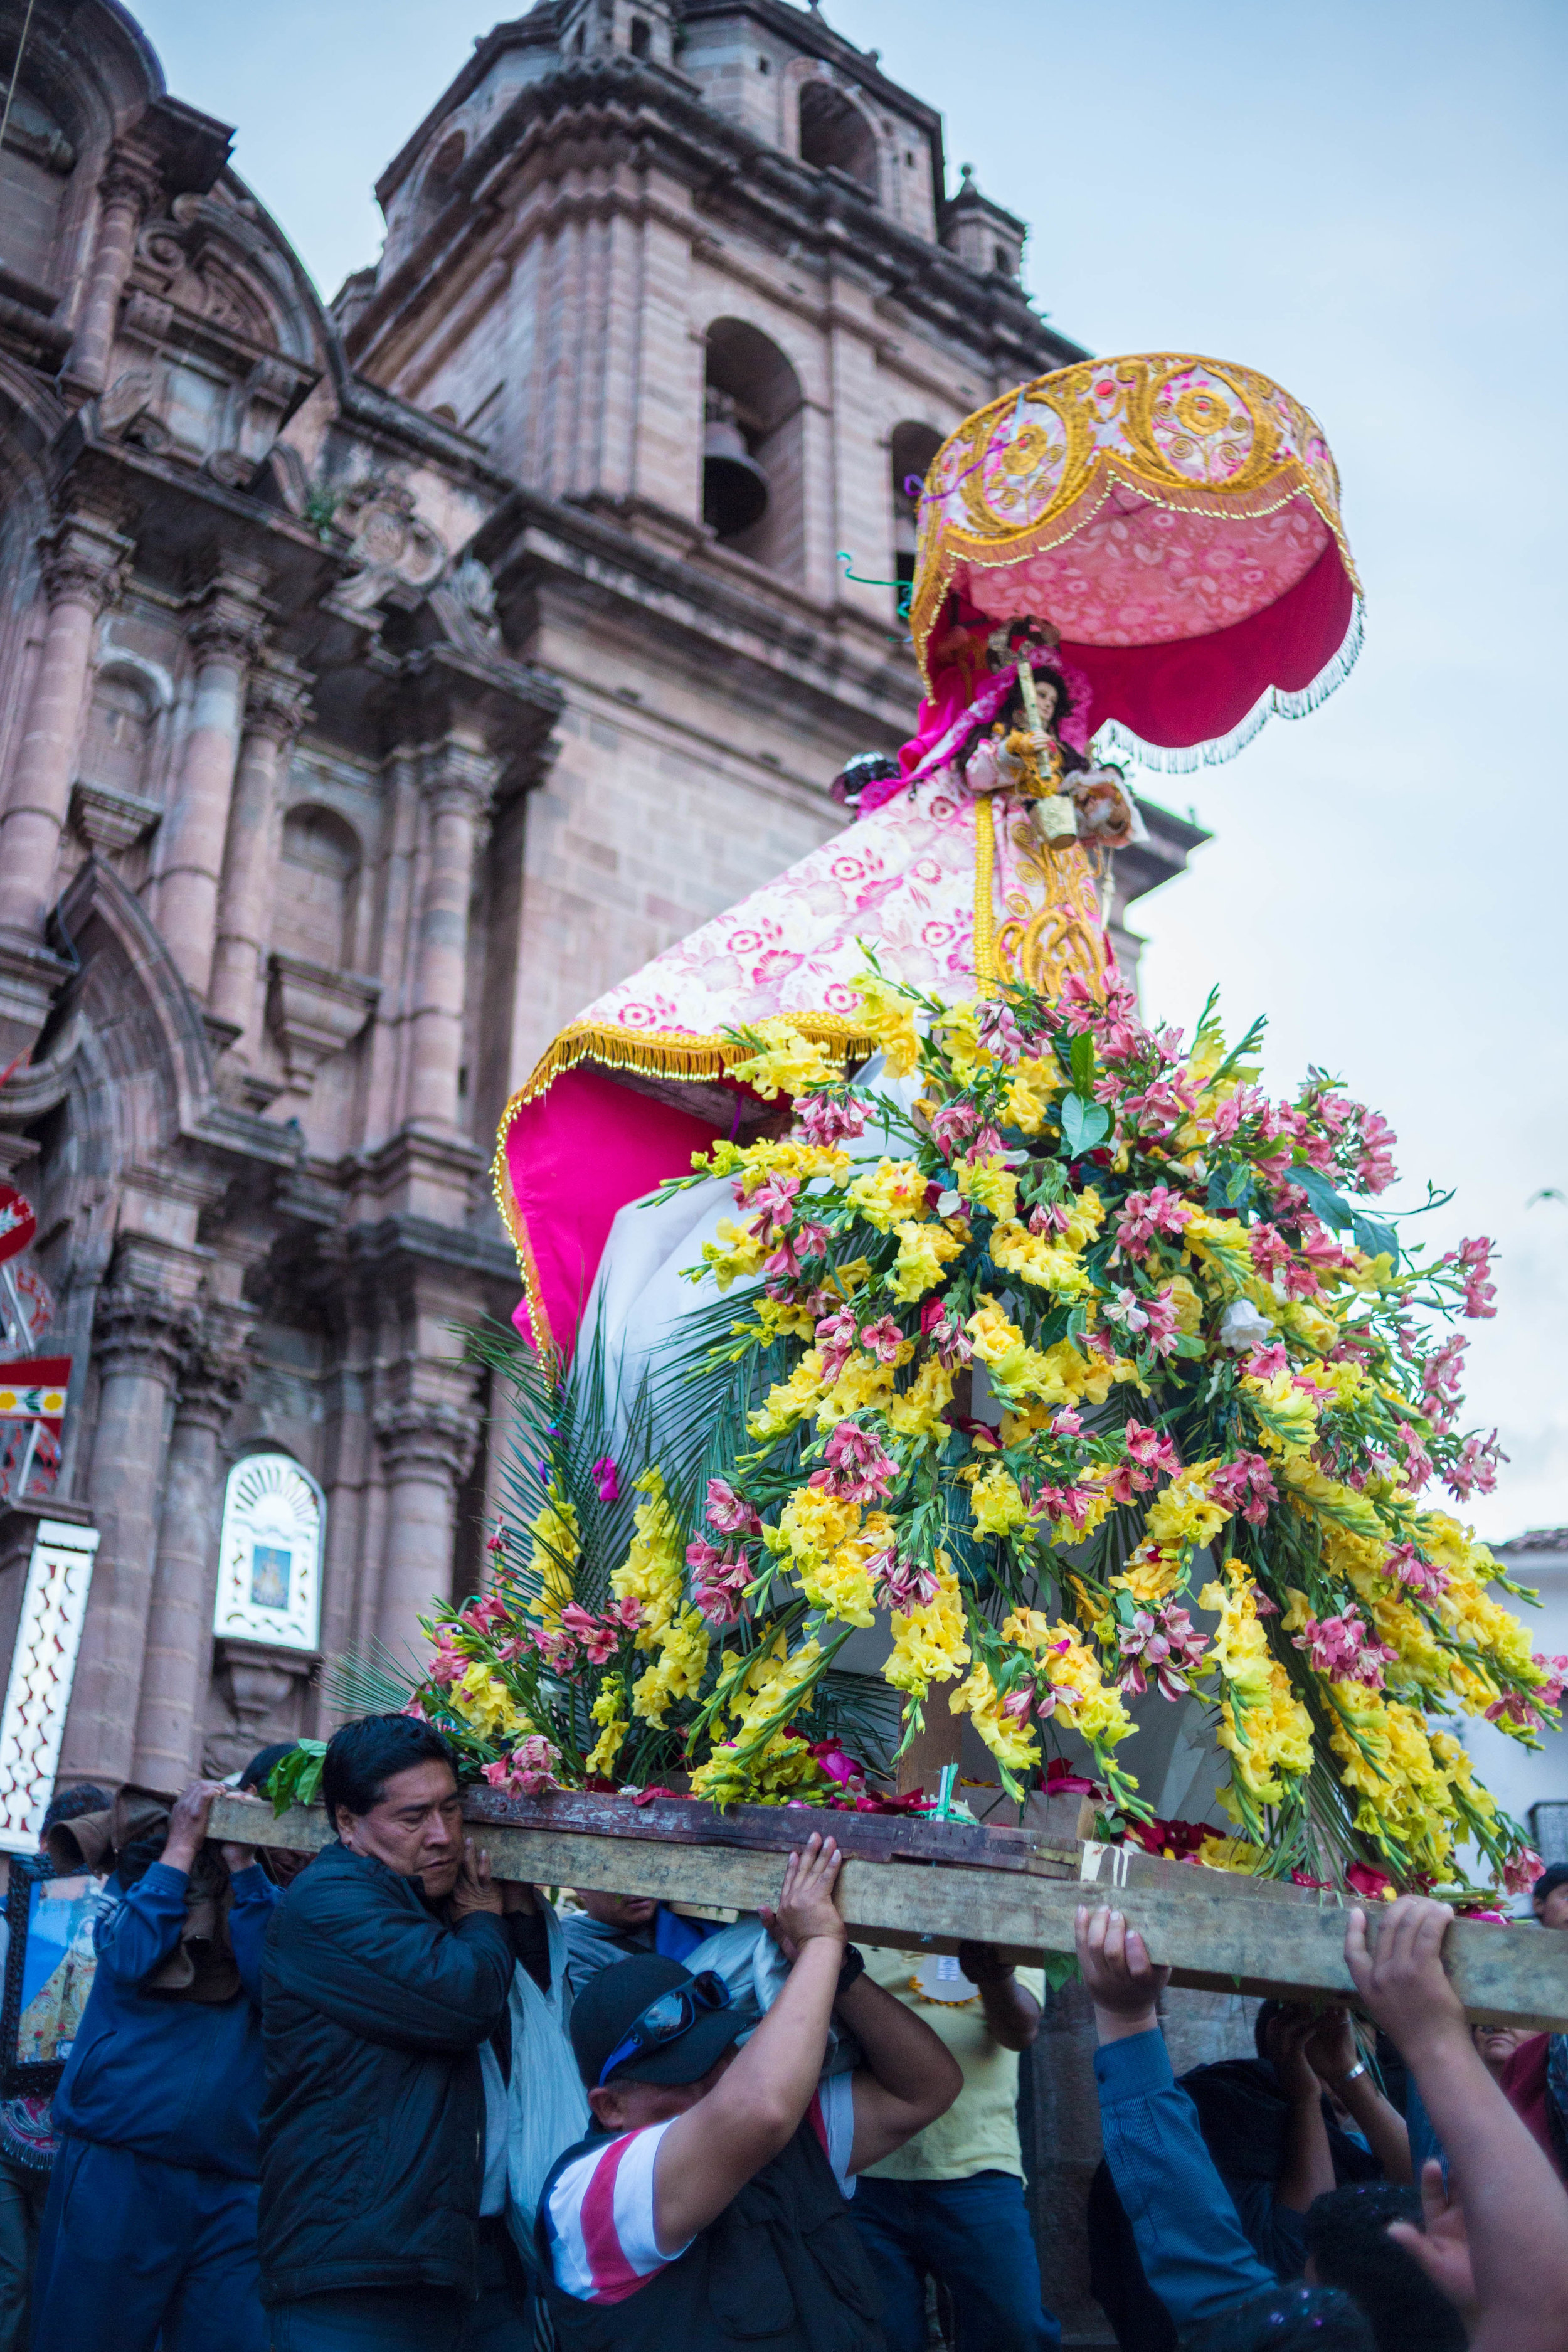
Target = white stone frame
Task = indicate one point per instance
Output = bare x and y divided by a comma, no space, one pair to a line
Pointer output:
43,1667
266,1496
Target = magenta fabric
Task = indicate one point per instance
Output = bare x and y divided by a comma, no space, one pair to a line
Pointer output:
574,1156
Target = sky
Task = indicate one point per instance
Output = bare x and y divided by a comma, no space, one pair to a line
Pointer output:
1367,202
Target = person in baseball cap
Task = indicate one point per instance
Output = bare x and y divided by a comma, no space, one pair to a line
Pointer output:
709,2205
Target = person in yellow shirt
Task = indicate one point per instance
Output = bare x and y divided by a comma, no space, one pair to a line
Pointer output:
950,2202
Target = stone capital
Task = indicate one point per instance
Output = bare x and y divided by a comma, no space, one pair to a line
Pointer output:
458,779
85,561
276,700
141,1328
215,1369
428,1439
130,179
229,621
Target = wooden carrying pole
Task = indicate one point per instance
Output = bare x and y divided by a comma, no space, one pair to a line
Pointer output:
897,1886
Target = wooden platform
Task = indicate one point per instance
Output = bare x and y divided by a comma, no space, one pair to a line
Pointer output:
913,1881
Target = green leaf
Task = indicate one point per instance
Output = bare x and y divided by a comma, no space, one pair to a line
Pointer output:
1080,1061
1376,1238
1084,1124
1332,1207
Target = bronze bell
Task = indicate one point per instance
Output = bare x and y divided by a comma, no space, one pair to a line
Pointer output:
734,487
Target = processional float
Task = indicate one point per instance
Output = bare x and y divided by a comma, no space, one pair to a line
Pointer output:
889,1280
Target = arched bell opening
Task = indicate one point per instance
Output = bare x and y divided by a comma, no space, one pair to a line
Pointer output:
754,416
913,447
835,136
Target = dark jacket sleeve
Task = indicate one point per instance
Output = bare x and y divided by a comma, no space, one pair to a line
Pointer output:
530,1936
255,1900
1190,2242
386,1968
139,1931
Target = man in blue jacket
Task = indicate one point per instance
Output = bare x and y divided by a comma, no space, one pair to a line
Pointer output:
151,2219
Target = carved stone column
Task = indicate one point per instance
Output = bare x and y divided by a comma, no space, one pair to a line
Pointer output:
140,1337
126,194
455,786
84,565
225,637
275,706
428,1448
178,1653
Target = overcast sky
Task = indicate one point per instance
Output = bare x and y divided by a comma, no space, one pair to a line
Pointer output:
1367,202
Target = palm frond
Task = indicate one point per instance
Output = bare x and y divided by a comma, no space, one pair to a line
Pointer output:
370,1679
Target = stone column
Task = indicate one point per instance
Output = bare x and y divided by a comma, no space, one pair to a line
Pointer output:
84,565
225,637
126,194
276,707
178,1653
455,786
428,1449
138,1339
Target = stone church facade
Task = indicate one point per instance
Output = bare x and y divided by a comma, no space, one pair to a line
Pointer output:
373,693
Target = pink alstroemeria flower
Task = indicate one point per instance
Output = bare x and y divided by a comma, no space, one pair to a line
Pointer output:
607,1478
729,1512
1245,1484
1163,1644
882,1339
827,1123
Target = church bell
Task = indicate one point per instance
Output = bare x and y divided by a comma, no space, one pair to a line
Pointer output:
734,487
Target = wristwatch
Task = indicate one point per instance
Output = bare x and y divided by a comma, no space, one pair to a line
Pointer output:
851,1966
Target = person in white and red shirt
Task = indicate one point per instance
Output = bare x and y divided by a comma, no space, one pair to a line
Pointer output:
709,2208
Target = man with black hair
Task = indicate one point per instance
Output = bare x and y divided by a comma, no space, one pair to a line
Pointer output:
1294,2318
1548,1897
387,1971
706,2210
150,2228
1348,2246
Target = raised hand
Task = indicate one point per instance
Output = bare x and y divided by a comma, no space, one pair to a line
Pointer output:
188,1822
1123,1983
1401,1981
1442,2246
474,1890
805,1904
1331,2048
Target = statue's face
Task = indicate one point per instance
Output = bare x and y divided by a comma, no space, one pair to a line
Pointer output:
1046,696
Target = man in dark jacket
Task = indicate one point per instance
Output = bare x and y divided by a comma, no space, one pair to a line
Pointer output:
387,1968
151,2219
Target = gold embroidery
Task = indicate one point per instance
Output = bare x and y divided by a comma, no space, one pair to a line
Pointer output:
1044,947
984,909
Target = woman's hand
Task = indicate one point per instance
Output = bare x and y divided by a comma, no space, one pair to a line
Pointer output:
474,1890
805,1906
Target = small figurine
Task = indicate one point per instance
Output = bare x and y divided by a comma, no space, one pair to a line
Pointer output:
1021,752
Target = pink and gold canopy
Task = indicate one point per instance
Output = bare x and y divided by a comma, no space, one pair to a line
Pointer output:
1176,518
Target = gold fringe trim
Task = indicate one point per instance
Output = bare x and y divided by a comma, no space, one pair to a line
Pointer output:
985,908
660,1052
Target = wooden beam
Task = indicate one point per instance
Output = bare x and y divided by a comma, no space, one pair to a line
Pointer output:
1216,1930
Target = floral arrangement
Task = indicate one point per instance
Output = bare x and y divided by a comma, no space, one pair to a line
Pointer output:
1104,1334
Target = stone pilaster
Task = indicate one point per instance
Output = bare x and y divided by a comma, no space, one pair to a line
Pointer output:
427,1446
277,705
140,1335
130,189
457,780
225,637
178,1654
83,570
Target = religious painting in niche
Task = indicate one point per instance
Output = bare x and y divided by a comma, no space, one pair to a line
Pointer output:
269,1554
48,1972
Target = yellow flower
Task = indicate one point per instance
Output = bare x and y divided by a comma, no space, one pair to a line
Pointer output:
779,1317
654,1570
488,1707
885,1015
789,1061
1031,1092
600,1761
958,1034
997,1505
1239,1650
1187,1303
1047,1265
919,1412
863,1385
734,1256
1185,1515
929,1642
677,1670
923,1251
1231,1853
892,1190
555,1542
788,1402
1010,1740
1287,1415
990,1182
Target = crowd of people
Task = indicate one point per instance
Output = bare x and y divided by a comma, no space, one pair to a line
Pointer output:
378,2098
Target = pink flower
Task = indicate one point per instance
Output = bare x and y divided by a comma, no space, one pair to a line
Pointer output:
840,1767
858,1469
1270,1249
835,1336
1441,1382
1342,1647
1161,1311
987,1145
730,1512
720,1590
882,1339
773,1203
1515,1709
1066,1424
607,1478
951,1121
1246,1485
599,1640
1474,1471
1150,1448
1521,1871
528,1770
1417,1461
1245,1103
826,1122
1049,1217
448,1664
1549,1691
1000,1032
1162,1643
701,1557
1374,1166
495,1543
1144,1214
1069,1503
1265,1364
811,1240
626,1613
947,1335
902,1584
1127,1310
481,1616
1319,1246
1473,1260
1406,1565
